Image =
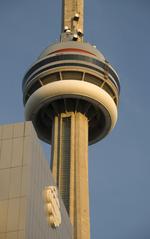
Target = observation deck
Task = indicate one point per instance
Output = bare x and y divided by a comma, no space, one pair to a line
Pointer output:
71,76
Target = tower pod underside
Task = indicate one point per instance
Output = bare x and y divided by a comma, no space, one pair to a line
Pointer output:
71,77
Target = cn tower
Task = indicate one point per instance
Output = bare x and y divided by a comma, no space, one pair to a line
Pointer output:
71,95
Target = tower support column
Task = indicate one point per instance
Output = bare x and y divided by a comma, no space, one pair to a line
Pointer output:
70,168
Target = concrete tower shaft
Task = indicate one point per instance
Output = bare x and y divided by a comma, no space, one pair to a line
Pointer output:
72,19
70,168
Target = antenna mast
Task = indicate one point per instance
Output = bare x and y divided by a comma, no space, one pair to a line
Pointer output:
72,20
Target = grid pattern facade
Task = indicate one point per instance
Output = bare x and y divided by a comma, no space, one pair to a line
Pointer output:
24,173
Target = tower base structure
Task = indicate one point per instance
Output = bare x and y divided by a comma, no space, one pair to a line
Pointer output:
24,174
70,168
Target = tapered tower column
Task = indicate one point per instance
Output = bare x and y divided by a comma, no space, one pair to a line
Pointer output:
70,168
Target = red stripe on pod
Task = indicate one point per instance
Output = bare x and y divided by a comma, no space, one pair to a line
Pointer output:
71,50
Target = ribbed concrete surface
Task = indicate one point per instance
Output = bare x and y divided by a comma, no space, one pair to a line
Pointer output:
24,173
70,168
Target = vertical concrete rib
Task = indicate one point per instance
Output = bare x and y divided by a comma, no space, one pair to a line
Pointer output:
70,151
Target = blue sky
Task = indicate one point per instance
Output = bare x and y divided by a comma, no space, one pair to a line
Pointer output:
119,166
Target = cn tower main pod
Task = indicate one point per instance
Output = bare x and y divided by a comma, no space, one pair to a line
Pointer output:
71,94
